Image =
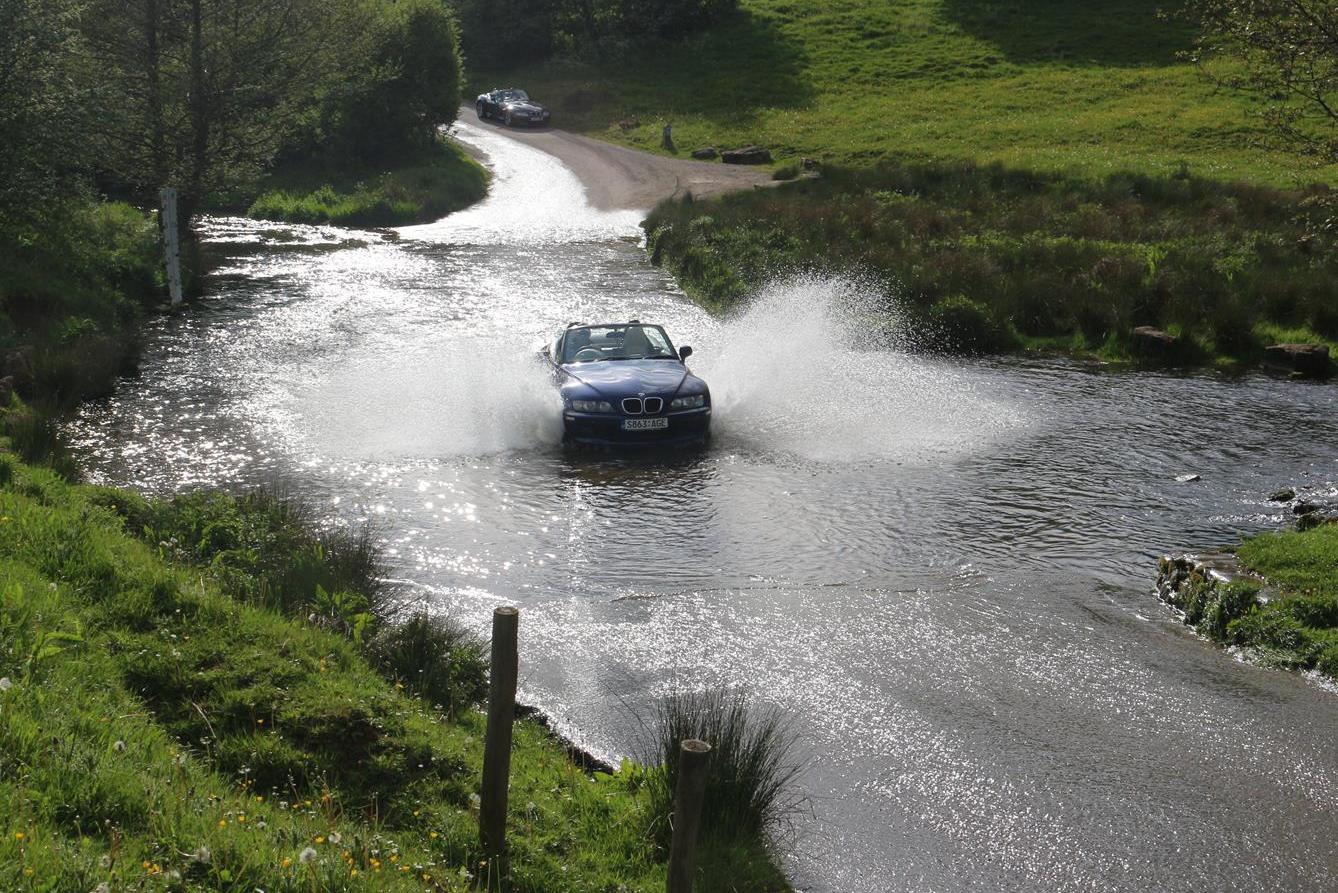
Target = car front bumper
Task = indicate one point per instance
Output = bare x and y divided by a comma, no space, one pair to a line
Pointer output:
605,429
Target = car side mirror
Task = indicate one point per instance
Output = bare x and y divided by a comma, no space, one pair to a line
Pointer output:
684,352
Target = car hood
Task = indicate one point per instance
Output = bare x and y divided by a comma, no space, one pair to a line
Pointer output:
627,378
524,106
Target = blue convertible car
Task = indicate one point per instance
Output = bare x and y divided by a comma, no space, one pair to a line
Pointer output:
624,383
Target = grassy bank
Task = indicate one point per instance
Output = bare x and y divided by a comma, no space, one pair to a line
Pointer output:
75,282
192,702
1088,89
1295,628
416,190
989,258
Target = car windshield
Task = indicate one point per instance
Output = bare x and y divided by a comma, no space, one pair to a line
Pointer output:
590,344
514,96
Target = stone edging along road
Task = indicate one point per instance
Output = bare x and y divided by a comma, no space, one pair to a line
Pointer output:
617,178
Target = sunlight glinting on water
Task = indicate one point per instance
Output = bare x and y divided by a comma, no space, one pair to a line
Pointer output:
940,569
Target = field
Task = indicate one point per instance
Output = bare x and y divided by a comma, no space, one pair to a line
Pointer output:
1045,85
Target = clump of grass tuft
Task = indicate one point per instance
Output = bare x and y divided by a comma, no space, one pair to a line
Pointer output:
750,781
434,657
34,433
786,171
267,548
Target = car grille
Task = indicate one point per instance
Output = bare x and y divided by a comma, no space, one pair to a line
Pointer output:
636,405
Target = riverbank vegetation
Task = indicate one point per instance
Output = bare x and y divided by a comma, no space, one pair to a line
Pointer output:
425,185
1296,625
212,693
988,258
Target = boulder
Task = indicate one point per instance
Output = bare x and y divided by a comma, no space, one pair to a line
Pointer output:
1187,478
1305,508
705,153
18,366
1286,494
746,155
1153,343
1305,360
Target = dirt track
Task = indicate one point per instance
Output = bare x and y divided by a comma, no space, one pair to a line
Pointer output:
618,178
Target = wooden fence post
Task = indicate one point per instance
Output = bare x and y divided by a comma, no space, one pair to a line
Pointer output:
497,745
688,795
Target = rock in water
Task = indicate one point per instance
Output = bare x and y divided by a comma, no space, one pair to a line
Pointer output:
1187,478
1152,343
1286,494
1305,360
746,155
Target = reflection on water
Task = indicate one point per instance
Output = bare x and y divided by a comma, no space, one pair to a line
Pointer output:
941,569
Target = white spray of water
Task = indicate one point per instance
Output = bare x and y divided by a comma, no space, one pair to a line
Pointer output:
812,367
432,405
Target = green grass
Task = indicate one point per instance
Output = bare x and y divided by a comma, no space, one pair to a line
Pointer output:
984,258
1297,628
74,286
161,732
1081,88
417,190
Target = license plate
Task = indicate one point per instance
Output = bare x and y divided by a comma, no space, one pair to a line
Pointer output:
644,424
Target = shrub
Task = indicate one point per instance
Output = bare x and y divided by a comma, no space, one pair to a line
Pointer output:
435,658
750,779
961,325
267,548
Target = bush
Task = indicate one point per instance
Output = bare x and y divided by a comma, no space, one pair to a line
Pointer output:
435,658
961,325
268,549
750,779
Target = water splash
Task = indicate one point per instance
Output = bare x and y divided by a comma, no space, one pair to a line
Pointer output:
433,404
815,367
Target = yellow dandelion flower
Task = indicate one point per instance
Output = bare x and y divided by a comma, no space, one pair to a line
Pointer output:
27,872
260,721
416,812
353,873
259,799
286,862
222,823
18,835
241,818
320,839
434,835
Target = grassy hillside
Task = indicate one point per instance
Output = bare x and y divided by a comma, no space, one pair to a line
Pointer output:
1041,84
165,726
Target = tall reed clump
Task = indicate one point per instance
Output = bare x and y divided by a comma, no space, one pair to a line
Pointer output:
435,657
751,791
268,548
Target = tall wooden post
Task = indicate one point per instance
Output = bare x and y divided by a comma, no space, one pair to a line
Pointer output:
497,745
688,795
171,242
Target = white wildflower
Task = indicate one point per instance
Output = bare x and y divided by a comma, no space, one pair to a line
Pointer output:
104,861
335,838
119,746
202,855
5,684
307,856
262,824
103,887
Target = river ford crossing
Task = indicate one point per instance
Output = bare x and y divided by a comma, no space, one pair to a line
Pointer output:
942,570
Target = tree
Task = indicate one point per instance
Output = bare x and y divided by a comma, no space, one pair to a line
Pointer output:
42,110
1284,51
200,94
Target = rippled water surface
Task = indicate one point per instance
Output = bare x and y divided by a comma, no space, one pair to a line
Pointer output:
941,570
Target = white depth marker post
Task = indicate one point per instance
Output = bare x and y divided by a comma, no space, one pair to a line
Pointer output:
171,243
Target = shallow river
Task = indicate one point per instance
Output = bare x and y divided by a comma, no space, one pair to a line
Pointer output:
941,570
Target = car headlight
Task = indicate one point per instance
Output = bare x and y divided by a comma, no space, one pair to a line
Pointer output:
693,402
592,406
